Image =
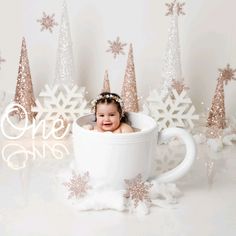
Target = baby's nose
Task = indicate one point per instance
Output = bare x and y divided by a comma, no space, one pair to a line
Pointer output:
107,118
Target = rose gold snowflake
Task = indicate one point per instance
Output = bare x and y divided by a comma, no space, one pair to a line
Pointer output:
47,22
179,86
175,6
1,61
116,47
227,74
137,190
78,185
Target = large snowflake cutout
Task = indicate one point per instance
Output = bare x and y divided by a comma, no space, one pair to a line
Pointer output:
173,110
116,47
61,102
78,185
47,22
137,190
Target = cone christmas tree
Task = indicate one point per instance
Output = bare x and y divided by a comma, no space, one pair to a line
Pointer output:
64,64
129,90
24,89
172,61
216,117
106,83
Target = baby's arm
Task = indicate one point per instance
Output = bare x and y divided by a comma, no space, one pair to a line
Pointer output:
88,126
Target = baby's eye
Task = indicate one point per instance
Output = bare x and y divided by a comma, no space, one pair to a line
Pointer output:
101,115
112,114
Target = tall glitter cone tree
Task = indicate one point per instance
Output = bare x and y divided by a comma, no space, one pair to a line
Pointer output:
171,69
106,83
24,88
129,89
216,117
64,62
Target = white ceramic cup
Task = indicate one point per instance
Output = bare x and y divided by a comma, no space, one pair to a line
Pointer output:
111,158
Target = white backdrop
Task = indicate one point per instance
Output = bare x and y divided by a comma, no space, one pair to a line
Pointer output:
206,36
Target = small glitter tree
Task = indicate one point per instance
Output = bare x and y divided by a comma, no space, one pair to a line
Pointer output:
216,117
129,90
106,83
24,89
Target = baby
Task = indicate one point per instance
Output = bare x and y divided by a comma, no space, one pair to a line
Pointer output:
109,114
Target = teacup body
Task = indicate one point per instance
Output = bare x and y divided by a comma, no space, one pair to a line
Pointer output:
111,158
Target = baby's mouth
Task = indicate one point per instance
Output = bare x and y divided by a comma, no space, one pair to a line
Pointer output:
107,124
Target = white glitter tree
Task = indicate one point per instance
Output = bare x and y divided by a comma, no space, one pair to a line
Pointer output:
64,63
172,61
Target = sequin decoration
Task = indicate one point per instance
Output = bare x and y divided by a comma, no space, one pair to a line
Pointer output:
216,116
47,22
78,185
116,47
64,62
129,89
24,88
137,190
1,61
175,7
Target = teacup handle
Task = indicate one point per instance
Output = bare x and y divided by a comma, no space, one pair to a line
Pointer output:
190,155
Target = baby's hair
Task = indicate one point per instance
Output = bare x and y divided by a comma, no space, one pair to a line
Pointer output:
110,98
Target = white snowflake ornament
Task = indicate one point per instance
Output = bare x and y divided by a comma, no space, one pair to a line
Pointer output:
172,110
61,101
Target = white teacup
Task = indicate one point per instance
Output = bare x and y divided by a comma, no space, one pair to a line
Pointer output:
111,158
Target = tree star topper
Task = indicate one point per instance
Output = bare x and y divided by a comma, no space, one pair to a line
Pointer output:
175,7
116,47
137,190
179,86
78,185
227,74
47,22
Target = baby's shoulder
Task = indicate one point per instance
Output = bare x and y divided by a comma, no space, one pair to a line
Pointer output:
125,128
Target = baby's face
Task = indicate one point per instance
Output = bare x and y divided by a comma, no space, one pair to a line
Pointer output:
108,117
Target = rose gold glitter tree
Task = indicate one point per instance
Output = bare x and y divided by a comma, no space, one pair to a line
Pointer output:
24,89
106,83
129,90
216,117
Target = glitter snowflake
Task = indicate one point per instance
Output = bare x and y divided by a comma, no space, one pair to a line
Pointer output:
227,74
175,6
137,190
116,47
179,86
1,61
78,185
47,22
61,102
